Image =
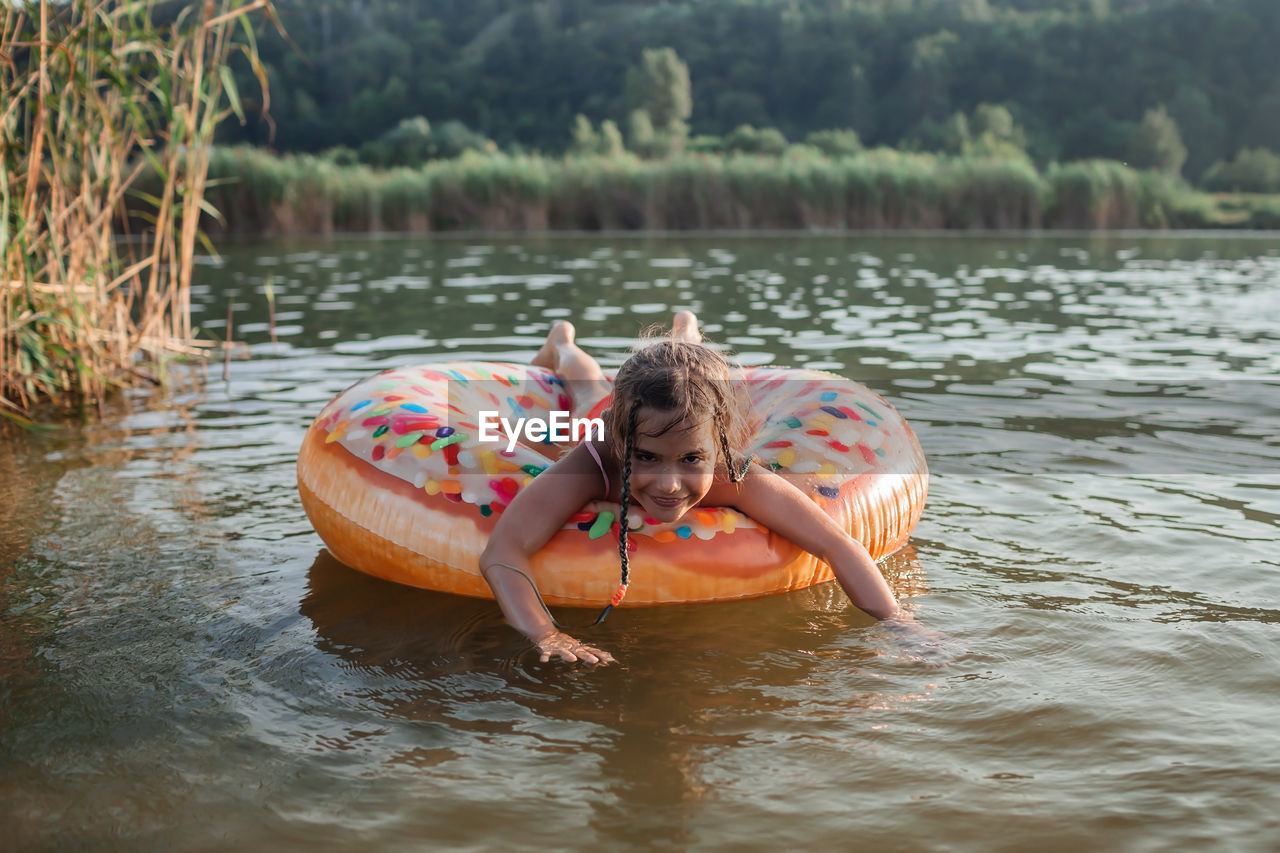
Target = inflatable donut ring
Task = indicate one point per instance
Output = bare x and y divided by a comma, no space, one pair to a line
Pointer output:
396,482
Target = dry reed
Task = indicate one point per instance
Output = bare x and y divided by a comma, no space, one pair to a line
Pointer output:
93,92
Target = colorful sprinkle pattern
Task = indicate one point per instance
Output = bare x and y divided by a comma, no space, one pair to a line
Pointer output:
420,424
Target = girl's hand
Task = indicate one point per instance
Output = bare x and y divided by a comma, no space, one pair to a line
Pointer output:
919,643
566,648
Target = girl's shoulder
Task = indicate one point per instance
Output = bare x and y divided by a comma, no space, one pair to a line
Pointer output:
594,459
603,452
725,492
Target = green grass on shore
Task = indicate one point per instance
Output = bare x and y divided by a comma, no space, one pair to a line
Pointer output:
260,193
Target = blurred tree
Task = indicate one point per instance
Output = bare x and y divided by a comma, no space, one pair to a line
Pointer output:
640,132
341,155
993,133
746,139
1202,130
1254,170
1263,126
660,86
414,141
640,136
705,143
407,144
956,134
588,142
1074,73
924,91
1094,133
993,120
583,136
735,107
453,138
989,131
1157,144
611,144
835,143
849,102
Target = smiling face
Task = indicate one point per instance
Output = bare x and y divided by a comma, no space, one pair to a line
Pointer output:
672,469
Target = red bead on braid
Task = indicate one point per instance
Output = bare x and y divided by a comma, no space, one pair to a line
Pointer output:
618,595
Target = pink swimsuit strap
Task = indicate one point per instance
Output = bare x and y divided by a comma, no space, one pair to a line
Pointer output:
595,454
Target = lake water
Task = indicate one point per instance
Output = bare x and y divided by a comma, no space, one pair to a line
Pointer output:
183,666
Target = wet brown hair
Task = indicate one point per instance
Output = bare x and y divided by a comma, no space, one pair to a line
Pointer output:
690,381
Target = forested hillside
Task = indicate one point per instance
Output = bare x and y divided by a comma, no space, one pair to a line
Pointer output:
1077,76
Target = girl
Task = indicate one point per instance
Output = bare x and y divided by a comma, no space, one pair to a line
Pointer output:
673,423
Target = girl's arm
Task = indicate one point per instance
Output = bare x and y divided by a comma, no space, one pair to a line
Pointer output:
535,515
787,511
773,502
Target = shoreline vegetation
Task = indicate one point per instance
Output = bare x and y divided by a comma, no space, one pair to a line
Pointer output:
262,194
95,94
112,175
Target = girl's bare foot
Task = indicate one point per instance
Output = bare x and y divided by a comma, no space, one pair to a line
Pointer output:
583,378
561,334
684,327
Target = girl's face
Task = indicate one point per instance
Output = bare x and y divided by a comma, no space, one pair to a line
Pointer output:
673,471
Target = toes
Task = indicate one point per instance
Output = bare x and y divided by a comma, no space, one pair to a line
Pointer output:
684,326
562,332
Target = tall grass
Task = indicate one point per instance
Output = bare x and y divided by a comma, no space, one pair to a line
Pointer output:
265,194
93,93
995,194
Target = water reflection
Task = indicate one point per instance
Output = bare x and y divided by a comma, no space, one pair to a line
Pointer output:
692,683
177,662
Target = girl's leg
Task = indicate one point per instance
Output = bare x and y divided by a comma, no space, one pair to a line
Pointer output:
582,375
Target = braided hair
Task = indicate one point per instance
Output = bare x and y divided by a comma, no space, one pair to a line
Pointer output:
688,381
